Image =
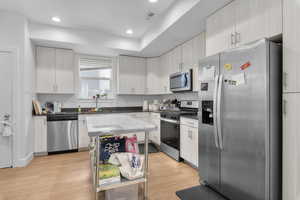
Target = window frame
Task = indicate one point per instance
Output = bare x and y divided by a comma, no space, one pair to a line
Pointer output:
111,93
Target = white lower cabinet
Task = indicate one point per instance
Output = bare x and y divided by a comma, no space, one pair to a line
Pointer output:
291,146
40,134
189,140
83,135
155,135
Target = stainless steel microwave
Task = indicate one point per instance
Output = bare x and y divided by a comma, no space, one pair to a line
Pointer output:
181,81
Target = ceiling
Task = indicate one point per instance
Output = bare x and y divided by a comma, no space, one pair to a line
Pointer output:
111,16
99,26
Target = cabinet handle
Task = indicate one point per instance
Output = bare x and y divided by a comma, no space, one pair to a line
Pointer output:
190,134
233,39
237,37
45,122
285,77
284,110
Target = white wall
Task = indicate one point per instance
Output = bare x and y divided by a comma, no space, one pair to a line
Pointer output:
82,41
14,34
71,101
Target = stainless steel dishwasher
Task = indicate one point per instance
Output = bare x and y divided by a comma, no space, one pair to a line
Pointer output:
62,132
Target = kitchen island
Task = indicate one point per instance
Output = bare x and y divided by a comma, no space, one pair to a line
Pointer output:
116,125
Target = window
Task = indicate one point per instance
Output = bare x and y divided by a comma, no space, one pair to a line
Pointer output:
95,77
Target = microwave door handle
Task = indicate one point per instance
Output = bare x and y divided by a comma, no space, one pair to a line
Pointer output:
215,111
186,80
219,110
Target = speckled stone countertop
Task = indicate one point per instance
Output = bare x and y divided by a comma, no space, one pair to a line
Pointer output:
116,124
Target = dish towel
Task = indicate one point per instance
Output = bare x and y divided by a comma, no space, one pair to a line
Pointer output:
6,129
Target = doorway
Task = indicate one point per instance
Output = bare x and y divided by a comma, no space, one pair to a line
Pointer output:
7,72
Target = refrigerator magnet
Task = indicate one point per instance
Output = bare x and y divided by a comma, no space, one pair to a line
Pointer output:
228,67
245,66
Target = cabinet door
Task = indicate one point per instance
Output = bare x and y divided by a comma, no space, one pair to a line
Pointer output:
154,76
220,27
165,71
84,138
251,20
40,134
291,46
198,53
155,135
194,144
275,17
131,75
125,77
291,147
140,76
185,143
175,60
187,55
45,70
65,71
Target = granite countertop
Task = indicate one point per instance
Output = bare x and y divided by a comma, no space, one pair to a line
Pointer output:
107,110
116,124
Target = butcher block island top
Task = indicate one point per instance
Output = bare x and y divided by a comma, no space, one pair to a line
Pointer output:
116,124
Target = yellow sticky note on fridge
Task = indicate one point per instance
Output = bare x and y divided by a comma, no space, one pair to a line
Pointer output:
228,67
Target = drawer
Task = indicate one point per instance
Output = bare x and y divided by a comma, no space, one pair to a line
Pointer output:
139,114
189,122
155,115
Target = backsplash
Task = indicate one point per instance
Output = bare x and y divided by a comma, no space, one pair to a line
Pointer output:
71,101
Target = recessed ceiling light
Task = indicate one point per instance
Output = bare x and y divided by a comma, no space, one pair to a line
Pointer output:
129,31
56,19
153,1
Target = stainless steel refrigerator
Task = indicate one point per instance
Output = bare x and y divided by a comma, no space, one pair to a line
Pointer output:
240,124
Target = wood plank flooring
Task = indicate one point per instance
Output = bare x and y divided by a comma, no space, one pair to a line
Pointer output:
67,177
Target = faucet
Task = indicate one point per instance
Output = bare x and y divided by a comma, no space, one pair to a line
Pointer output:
96,98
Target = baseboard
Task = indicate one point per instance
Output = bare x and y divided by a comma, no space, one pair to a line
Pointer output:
23,162
83,149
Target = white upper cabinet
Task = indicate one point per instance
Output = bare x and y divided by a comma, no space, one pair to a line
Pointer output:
55,71
175,57
187,55
181,58
64,71
243,21
291,46
45,70
154,76
166,70
220,29
192,51
251,21
131,75
275,17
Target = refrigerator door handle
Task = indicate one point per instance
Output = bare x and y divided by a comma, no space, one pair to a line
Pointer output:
219,110
215,111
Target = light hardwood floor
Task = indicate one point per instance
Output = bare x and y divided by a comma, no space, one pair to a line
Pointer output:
67,177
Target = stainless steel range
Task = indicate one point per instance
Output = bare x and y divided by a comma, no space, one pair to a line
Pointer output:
170,127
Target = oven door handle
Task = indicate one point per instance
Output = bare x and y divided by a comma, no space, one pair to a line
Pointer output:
169,120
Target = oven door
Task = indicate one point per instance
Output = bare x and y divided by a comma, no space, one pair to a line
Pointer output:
170,133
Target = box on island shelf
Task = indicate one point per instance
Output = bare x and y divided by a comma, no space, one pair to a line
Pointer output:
109,174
